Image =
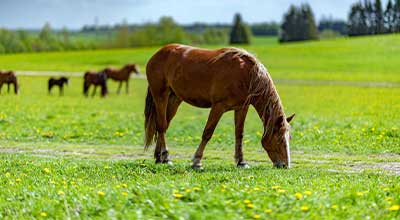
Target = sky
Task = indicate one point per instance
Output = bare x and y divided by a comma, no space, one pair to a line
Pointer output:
73,14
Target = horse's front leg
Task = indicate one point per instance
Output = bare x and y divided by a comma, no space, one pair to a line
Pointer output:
8,87
213,119
61,90
240,116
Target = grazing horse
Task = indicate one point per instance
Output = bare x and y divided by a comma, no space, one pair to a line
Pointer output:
58,82
122,75
223,80
9,78
96,79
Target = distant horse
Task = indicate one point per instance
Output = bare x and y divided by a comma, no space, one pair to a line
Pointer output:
96,79
223,80
58,82
122,75
9,78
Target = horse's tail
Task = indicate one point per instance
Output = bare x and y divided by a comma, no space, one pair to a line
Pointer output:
150,120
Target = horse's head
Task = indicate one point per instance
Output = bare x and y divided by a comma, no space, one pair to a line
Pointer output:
65,80
133,68
276,142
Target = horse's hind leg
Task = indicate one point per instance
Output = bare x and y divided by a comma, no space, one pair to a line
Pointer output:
127,86
94,91
213,119
119,87
172,107
240,116
161,151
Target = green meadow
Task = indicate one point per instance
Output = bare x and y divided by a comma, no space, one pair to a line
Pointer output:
74,157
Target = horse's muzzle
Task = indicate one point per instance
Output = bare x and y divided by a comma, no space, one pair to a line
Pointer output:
281,165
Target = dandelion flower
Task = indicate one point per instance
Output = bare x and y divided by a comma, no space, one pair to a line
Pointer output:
124,193
334,206
394,208
276,187
188,190
360,193
196,189
61,193
178,195
18,180
8,174
46,170
43,214
268,211
250,205
389,199
124,185
281,191
101,193
305,208
246,201
298,195
256,216
308,193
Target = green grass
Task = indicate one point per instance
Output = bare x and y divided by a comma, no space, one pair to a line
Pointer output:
356,59
82,158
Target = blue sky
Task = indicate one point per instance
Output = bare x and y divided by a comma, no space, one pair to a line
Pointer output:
74,14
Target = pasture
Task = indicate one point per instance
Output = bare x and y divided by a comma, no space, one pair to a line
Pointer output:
80,158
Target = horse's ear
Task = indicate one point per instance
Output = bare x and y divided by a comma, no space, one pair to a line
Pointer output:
290,118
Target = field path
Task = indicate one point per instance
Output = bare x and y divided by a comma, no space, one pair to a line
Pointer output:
279,81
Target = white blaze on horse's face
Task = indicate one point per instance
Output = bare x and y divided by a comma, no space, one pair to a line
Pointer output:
287,139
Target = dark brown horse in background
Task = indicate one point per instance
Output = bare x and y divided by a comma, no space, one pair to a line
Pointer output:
58,82
9,77
122,75
223,80
95,79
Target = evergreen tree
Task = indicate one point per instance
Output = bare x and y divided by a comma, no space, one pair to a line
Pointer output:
240,33
357,22
46,34
299,24
389,17
396,14
378,15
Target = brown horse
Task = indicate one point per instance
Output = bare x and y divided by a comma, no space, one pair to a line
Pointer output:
223,80
9,78
58,82
96,79
122,75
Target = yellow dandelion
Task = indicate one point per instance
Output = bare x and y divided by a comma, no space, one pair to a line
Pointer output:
360,193
246,201
101,193
8,174
256,189
389,199
305,208
268,211
386,189
178,195
46,170
281,191
334,206
61,193
256,216
124,185
124,193
188,190
196,189
250,205
298,195
72,183
18,180
52,182
43,214
394,208
308,193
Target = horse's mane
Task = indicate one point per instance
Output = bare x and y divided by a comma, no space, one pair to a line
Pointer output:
261,85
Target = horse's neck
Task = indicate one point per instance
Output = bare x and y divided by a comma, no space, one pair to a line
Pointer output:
268,106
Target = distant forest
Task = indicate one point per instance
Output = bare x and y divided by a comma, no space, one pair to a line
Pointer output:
366,17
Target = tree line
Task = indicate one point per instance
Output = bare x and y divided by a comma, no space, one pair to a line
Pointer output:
368,18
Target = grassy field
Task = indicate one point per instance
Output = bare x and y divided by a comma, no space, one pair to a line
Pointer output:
73,157
358,59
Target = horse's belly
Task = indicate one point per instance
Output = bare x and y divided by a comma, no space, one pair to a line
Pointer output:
198,102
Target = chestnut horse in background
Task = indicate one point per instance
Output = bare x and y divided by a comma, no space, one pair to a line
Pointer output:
223,80
96,79
9,77
122,75
58,82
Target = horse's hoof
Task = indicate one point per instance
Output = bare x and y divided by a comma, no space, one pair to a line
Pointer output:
197,167
243,165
